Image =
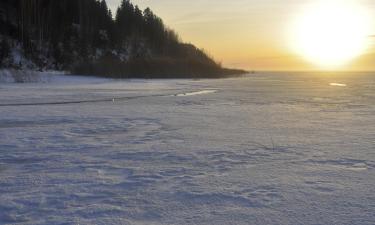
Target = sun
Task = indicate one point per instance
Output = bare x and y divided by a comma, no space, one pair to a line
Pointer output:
330,33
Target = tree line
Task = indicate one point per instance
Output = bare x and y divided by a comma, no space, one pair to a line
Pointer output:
83,36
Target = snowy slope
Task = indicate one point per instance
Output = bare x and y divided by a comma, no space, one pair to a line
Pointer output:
264,149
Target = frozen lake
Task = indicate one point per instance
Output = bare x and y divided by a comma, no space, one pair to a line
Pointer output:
265,149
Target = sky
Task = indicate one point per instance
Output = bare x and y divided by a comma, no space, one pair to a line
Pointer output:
248,34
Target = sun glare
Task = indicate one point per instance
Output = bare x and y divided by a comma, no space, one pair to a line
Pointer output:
331,33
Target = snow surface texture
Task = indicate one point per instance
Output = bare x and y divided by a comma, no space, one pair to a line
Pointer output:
263,149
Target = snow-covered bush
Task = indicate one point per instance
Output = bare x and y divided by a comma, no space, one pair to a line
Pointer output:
4,51
19,76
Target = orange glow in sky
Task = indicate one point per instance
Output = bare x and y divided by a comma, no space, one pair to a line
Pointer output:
256,34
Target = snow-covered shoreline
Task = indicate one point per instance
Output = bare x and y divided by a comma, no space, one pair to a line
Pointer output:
56,77
28,76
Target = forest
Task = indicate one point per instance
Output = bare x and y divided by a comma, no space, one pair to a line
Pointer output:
84,37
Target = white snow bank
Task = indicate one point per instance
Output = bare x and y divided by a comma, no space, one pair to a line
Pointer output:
58,77
19,76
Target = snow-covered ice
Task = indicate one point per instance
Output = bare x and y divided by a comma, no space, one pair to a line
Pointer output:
196,93
283,149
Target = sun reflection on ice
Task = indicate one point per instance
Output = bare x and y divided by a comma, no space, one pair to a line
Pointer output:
338,85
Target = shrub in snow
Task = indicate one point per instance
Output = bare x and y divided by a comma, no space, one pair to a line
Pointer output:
4,52
6,77
22,76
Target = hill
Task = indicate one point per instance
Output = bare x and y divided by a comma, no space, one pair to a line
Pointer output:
82,36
